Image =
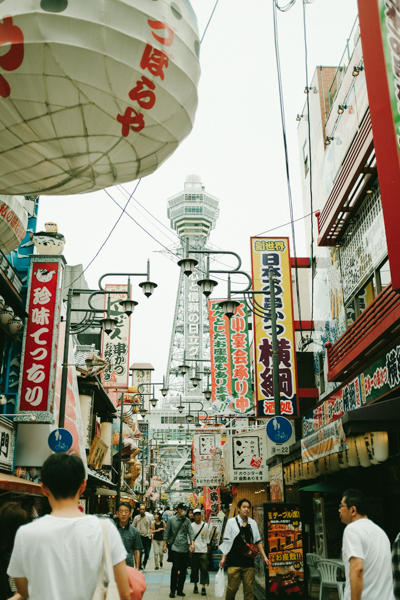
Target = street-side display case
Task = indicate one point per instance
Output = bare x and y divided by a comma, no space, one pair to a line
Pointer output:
283,534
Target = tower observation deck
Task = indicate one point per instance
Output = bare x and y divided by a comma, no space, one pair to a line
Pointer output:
193,213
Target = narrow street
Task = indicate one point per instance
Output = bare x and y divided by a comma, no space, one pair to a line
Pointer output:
157,583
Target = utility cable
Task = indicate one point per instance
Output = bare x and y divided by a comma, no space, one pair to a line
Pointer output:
209,21
109,235
284,225
283,122
311,173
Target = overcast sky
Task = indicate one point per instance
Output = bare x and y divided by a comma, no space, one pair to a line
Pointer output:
235,146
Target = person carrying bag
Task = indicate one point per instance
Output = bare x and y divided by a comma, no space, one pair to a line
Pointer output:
176,535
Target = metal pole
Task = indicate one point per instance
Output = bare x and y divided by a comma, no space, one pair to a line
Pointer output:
64,376
121,445
275,352
143,444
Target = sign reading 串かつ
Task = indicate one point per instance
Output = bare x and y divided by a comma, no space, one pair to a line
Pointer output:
116,344
273,253
230,361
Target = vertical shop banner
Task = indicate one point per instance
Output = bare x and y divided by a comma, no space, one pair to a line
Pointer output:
40,342
285,551
212,500
245,457
144,454
232,392
115,346
276,483
267,253
207,457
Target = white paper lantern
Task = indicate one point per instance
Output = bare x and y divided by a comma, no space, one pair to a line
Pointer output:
93,92
377,445
343,459
352,454
362,451
334,462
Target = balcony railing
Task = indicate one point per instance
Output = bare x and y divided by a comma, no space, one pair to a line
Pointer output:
374,328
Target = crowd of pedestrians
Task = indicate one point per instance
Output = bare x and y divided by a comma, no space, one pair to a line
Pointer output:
72,547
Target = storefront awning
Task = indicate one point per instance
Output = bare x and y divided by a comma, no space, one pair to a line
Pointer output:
19,486
380,416
323,486
96,478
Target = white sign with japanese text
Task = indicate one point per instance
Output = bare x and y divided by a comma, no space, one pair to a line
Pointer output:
115,346
7,444
245,457
207,458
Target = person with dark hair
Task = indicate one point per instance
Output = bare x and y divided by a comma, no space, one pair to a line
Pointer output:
366,552
58,557
157,530
179,536
12,516
239,532
130,536
143,524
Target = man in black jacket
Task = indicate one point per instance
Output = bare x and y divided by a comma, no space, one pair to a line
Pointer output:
179,535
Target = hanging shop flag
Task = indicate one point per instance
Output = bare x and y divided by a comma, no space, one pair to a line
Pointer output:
115,346
232,392
276,485
285,551
144,444
40,343
274,253
212,500
245,457
207,457
109,90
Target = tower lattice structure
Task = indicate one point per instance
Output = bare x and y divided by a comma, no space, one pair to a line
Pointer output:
193,213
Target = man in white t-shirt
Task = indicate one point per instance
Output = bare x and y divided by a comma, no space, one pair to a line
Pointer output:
58,557
366,552
199,557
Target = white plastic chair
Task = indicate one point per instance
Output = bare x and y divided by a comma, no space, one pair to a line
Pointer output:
312,560
328,570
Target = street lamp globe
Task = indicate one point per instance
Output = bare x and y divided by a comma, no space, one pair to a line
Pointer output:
148,288
188,265
229,307
207,394
128,306
108,324
207,286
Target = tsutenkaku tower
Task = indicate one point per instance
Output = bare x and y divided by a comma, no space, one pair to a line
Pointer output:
193,213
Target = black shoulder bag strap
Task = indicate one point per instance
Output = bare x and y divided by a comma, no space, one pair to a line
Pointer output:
177,531
240,531
198,533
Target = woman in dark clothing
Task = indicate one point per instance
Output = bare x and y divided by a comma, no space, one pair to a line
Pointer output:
12,516
157,529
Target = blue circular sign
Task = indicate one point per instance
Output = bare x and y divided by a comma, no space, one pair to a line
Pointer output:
60,440
279,430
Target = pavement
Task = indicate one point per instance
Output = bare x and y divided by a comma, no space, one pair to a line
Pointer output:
158,588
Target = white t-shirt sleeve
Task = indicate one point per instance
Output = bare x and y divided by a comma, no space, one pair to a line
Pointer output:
352,545
117,548
16,566
207,536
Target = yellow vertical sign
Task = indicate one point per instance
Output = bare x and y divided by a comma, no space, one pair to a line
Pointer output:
267,253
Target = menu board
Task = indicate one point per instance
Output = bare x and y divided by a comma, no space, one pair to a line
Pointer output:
286,577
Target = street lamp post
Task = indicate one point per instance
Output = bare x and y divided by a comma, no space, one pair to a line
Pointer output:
249,297
107,323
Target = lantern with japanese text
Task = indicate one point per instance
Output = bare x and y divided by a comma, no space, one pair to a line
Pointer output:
352,455
93,93
362,451
377,445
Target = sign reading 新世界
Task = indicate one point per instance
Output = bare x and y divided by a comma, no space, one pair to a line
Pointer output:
285,551
273,253
232,391
40,343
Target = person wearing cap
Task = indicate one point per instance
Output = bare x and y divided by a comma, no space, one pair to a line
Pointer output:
179,535
201,549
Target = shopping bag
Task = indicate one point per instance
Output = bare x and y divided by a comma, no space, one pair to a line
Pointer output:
220,584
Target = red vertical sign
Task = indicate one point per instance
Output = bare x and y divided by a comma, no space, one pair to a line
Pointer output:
37,384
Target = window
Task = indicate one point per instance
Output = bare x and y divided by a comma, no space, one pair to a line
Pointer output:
366,295
383,276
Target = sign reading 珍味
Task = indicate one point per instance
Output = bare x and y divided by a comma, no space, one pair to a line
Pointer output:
40,344
116,344
230,361
273,253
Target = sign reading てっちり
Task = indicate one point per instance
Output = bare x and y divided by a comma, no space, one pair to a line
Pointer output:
273,253
40,343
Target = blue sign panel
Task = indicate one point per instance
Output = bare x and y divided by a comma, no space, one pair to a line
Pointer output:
279,430
60,440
